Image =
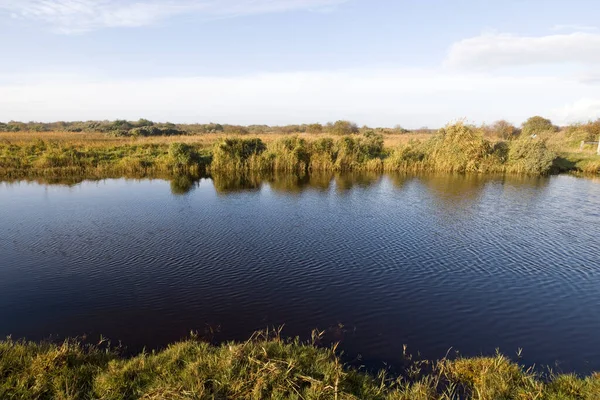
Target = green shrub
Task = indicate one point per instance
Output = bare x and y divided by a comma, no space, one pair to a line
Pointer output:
530,156
342,128
182,155
536,125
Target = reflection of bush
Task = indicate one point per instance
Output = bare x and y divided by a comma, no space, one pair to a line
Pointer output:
182,184
235,182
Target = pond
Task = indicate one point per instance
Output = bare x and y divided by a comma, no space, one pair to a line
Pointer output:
437,262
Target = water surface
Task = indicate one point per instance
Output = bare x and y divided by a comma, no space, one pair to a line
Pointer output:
435,262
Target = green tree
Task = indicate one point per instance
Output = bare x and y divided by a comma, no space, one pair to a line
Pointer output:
536,125
343,128
314,128
504,130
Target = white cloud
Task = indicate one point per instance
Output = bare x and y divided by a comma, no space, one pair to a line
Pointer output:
490,51
410,97
71,16
586,109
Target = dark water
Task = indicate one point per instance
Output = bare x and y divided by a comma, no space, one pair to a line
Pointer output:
433,262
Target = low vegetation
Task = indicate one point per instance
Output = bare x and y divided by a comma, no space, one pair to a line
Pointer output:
266,366
146,148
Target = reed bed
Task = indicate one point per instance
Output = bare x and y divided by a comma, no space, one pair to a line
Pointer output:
457,148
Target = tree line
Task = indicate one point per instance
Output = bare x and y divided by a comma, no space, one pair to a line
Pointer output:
500,129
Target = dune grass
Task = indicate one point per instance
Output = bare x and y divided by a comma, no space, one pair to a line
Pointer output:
264,367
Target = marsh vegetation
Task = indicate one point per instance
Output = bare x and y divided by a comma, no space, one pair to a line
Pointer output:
147,149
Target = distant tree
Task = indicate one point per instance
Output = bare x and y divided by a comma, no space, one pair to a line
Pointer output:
536,125
399,129
593,129
314,128
343,128
144,122
235,130
504,130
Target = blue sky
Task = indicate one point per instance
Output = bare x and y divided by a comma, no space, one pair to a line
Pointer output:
376,62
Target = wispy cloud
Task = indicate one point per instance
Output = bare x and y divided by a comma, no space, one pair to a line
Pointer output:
575,27
73,16
495,50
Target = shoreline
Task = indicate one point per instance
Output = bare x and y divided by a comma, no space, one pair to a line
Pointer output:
457,149
264,366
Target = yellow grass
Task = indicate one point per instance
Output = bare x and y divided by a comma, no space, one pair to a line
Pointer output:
204,140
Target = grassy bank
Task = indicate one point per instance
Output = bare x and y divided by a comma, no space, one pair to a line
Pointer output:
46,157
265,366
456,148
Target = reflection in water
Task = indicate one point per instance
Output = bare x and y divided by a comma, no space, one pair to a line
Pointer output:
288,183
293,183
348,181
231,183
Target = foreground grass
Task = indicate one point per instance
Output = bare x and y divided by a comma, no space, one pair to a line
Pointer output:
264,367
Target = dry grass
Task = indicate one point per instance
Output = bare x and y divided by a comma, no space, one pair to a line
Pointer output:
204,140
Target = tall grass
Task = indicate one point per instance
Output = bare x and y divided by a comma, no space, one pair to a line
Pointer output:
456,148
264,367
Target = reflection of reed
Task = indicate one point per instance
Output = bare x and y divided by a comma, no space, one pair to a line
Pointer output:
348,181
183,184
236,182
75,179
446,187
293,183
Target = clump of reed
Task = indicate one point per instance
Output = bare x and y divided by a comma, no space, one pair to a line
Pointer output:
462,148
296,154
238,154
266,366
457,148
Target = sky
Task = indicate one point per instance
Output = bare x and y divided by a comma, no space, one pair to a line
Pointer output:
413,63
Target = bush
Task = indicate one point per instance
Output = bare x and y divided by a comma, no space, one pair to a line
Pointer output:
536,125
531,156
343,128
504,130
314,128
181,154
461,148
